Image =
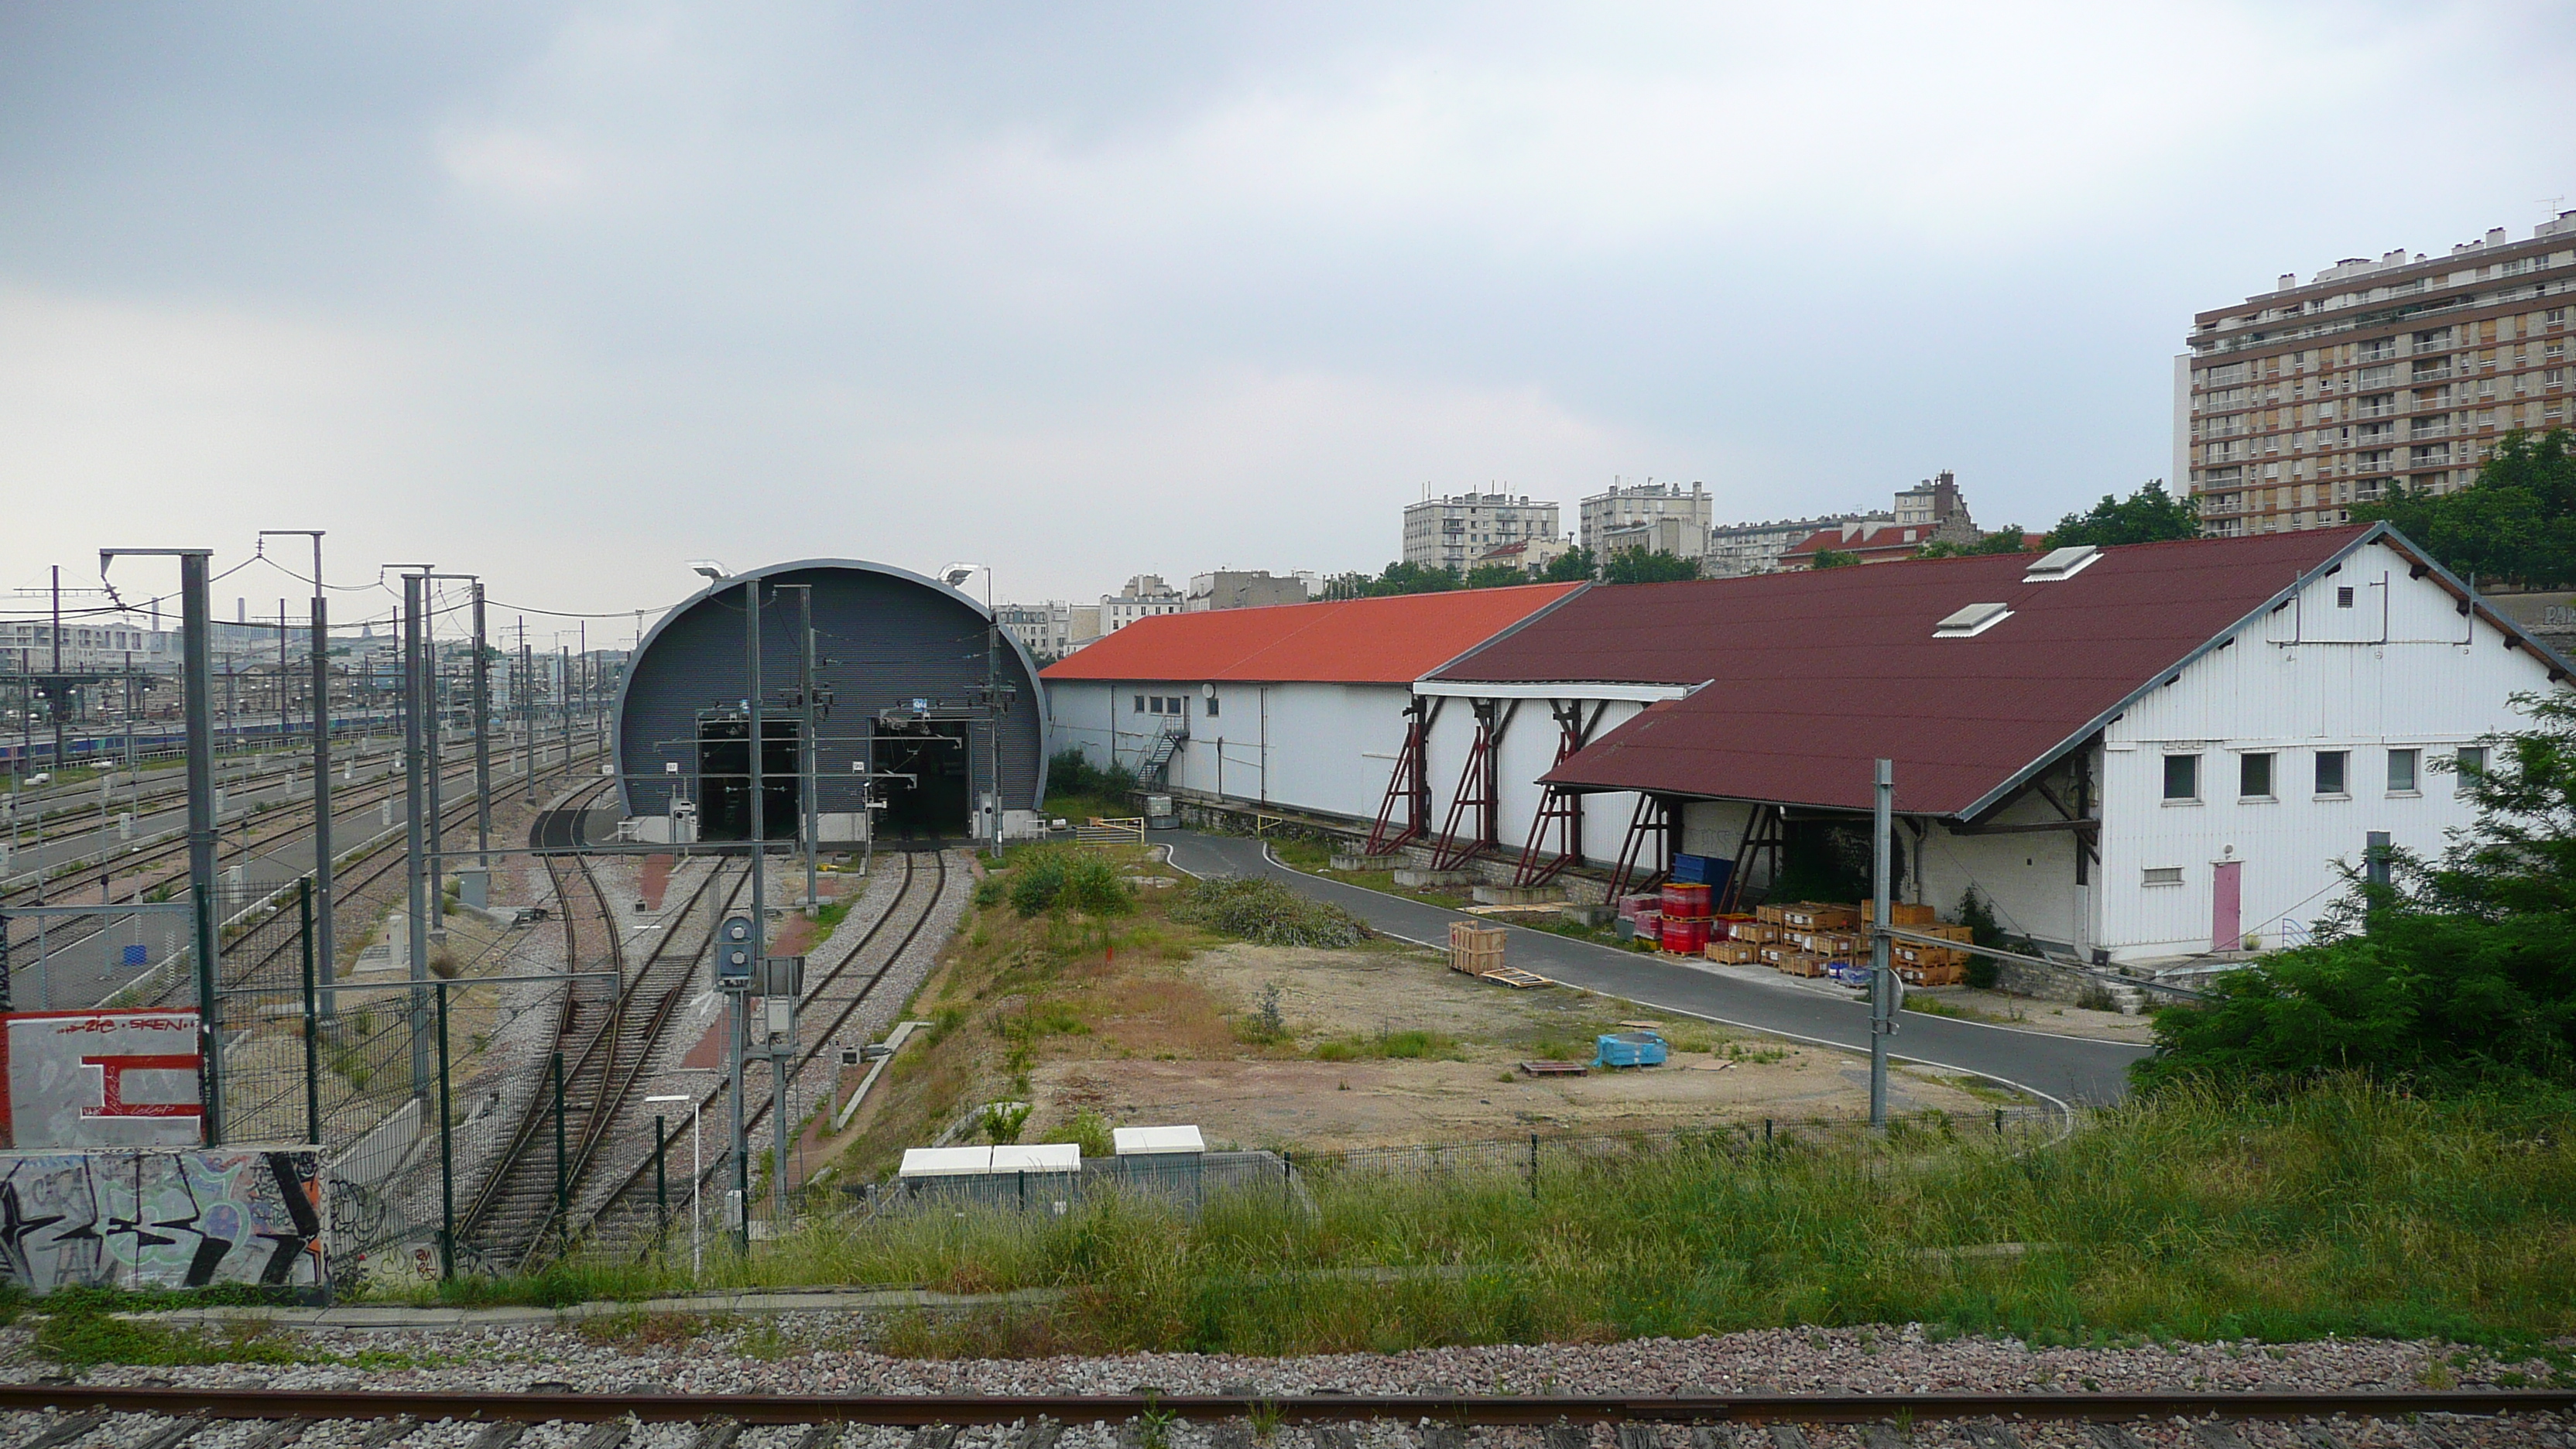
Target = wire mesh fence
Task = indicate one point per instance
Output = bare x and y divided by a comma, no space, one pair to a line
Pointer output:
1189,1181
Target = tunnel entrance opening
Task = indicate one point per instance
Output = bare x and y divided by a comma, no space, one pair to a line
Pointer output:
724,778
934,803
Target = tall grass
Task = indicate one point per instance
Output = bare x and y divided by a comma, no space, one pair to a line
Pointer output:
2344,1210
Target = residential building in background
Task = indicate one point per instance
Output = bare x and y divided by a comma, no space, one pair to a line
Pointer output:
1931,511
1144,596
2293,405
1612,520
1454,532
1530,556
1755,548
1935,503
1241,589
1047,629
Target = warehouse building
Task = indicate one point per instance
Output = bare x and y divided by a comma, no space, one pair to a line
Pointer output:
1302,706
2132,753
926,716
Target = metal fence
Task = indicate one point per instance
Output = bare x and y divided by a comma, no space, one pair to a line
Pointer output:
1189,1181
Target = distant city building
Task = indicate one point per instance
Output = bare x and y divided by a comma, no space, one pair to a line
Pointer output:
90,646
1454,532
2295,404
1935,503
1045,629
1677,536
1242,589
1144,596
1874,540
1531,556
1628,505
1755,548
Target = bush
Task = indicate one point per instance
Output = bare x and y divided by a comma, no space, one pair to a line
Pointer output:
1046,880
1979,918
1070,772
1266,912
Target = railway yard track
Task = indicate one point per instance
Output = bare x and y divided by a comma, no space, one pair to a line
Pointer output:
47,1416
830,1001
607,1038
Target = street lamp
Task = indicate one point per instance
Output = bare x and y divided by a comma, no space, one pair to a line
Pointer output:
709,569
696,1251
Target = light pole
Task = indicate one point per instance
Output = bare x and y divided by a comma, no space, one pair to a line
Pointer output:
417,907
697,1250
957,574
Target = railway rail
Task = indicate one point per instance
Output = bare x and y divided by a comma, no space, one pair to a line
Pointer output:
1659,1421
854,979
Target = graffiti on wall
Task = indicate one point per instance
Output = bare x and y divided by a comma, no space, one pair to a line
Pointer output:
102,1079
147,1218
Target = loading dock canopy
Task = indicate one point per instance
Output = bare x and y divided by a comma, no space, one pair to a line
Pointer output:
1804,678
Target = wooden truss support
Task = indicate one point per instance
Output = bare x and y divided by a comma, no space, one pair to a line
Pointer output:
1561,810
1479,789
1766,831
1657,819
1410,784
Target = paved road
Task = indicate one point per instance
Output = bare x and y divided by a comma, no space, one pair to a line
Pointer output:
2069,1069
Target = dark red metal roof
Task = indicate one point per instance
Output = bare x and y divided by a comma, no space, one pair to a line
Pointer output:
1811,676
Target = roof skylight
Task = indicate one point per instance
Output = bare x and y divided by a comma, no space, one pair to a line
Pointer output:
1972,621
2061,563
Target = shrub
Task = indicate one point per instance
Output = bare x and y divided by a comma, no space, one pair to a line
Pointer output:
1090,1131
1267,912
1070,772
1047,880
1979,918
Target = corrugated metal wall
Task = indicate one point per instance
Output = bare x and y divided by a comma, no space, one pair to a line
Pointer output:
889,637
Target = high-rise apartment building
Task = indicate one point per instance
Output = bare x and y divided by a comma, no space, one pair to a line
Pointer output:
1455,532
1628,505
2294,405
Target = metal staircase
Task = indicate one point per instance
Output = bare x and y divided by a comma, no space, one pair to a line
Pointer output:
1155,772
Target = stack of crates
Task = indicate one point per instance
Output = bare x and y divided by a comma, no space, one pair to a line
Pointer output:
1823,938
1685,918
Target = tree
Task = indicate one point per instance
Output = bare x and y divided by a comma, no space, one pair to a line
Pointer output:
2459,971
1834,558
1637,566
2517,522
2007,539
2149,515
1495,576
1570,567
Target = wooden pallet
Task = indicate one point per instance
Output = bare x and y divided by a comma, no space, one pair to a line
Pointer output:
1514,977
1556,1069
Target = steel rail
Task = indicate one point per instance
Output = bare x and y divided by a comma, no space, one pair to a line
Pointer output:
753,1119
1475,1409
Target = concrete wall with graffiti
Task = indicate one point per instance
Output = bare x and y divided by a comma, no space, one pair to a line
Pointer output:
105,1078
162,1218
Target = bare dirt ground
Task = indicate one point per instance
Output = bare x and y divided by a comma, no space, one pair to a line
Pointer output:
1386,1047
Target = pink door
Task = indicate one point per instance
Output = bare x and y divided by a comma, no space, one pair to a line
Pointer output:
2226,906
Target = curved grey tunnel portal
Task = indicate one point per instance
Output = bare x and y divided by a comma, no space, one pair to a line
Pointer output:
913,681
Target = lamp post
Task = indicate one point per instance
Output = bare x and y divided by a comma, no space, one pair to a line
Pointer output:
697,1252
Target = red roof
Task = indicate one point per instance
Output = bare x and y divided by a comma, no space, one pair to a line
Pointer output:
1811,675
1350,641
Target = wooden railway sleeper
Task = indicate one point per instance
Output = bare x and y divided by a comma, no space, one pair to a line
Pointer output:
717,1434
68,1430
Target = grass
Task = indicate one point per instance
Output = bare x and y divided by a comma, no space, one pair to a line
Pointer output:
2346,1210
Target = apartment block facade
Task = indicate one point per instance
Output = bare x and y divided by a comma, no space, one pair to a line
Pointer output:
1142,597
1622,510
1454,532
2294,405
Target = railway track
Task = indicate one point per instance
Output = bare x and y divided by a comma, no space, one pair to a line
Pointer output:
168,1418
519,1198
825,1009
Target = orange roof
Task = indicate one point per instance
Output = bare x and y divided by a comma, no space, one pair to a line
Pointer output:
1349,641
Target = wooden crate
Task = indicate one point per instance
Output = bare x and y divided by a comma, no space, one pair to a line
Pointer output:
1900,914
1734,953
1932,975
1771,915
1773,953
1802,963
1760,933
1820,916
1475,949
1840,943
1909,954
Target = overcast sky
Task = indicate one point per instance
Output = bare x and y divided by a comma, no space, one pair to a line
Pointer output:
571,294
